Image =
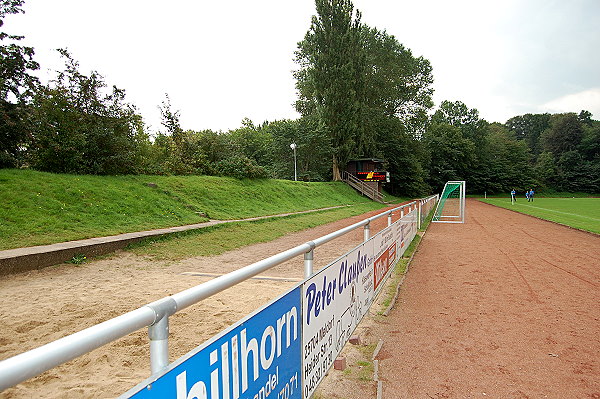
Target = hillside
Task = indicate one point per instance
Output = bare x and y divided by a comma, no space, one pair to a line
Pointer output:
39,208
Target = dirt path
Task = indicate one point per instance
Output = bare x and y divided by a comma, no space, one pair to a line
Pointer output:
41,306
504,306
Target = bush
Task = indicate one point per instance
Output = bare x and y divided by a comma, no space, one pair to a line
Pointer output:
240,166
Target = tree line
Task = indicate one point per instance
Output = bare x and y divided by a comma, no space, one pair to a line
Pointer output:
361,93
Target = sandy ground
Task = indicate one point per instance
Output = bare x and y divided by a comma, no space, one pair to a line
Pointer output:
41,306
504,306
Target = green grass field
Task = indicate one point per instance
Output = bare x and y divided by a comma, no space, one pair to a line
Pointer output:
581,213
39,208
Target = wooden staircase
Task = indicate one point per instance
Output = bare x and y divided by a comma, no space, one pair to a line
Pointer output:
362,187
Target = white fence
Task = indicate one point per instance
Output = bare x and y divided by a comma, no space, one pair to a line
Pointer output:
294,338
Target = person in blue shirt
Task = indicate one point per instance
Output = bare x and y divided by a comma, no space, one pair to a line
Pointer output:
527,195
531,192
513,196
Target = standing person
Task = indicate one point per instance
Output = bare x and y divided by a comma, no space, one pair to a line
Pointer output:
513,196
527,195
531,194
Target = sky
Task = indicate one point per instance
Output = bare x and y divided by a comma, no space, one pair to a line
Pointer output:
223,61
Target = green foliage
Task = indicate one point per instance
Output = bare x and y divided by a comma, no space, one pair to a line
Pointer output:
240,166
39,208
451,154
77,129
17,85
331,75
529,128
78,259
313,147
370,94
565,134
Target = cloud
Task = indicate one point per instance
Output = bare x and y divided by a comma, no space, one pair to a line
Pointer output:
588,100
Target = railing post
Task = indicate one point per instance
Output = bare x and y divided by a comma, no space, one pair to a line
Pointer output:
158,332
366,232
419,215
401,213
159,345
390,219
308,263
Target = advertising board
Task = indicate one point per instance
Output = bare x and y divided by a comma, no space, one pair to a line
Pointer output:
334,301
256,358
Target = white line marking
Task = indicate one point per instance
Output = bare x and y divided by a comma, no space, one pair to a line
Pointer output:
564,213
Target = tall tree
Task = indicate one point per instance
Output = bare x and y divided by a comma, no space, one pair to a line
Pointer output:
331,76
17,85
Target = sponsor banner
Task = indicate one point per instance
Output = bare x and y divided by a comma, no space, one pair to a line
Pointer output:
383,265
334,301
259,357
405,231
372,176
384,246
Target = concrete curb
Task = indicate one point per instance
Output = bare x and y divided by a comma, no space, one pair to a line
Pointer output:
30,258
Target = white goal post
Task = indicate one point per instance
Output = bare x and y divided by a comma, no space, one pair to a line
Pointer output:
451,206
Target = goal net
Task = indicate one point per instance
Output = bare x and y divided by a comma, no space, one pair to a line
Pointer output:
451,206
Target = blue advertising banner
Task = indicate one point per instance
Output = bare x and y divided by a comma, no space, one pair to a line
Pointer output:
257,358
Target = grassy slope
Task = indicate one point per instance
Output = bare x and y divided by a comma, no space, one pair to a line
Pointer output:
221,238
40,208
581,213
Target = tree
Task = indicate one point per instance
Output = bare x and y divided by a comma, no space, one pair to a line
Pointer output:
529,128
79,129
564,134
17,86
313,147
331,76
472,129
451,154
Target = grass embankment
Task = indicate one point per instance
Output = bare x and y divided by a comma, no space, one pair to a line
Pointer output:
221,238
580,213
39,208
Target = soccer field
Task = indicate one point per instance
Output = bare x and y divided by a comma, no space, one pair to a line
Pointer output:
581,213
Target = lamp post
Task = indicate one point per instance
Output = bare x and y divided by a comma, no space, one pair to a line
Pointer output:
293,147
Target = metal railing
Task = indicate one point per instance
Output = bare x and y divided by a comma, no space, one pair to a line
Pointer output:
361,186
426,205
155,315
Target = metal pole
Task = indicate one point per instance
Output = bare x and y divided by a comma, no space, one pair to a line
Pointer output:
295,168
293,147
159,345
366,232
419,216
308,263
390,219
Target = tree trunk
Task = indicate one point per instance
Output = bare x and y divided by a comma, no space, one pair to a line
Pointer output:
336,170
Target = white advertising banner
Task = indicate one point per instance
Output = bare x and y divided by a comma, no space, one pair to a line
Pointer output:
334,301
336,298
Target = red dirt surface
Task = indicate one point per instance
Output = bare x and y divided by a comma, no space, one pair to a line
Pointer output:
503,306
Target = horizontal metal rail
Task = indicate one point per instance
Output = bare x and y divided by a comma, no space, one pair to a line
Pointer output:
155,315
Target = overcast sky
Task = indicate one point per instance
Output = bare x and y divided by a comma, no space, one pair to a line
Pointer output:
221,61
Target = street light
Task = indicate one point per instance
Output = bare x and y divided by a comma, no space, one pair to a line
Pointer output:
293,147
